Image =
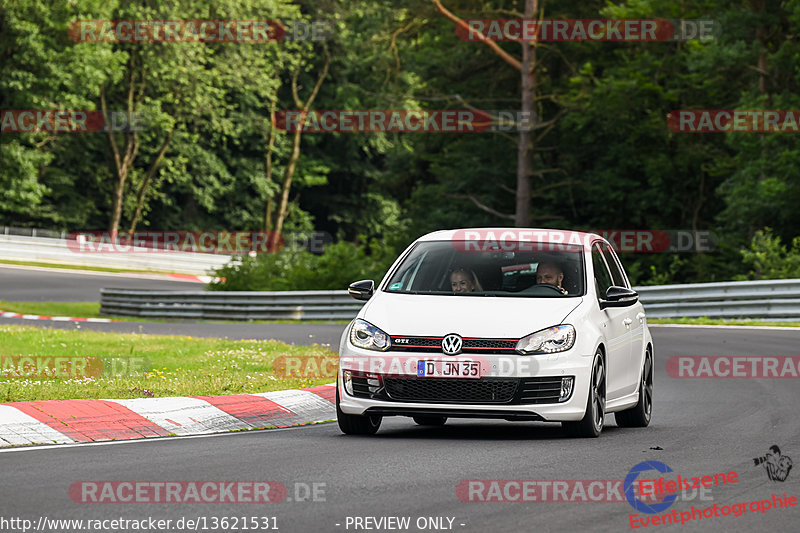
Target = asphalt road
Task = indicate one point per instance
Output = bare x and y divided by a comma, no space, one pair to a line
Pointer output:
27,284
700,427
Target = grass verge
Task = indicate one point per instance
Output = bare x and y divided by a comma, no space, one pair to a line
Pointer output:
138,366
76,309
705,321
92,310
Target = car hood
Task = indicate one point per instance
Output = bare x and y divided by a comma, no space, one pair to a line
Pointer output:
468,316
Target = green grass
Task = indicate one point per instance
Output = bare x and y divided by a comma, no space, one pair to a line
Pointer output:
92,310
705,321
170,365
81,267
76,309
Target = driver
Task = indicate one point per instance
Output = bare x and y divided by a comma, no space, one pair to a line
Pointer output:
551,274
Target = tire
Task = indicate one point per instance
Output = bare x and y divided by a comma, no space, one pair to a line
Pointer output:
356,424
639,415
430,420
592,423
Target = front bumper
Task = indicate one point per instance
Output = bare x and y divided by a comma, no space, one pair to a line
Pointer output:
403,393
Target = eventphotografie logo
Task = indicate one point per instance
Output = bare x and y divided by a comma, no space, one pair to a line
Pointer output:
777,465
633,498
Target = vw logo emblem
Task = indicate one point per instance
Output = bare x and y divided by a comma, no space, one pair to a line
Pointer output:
451,344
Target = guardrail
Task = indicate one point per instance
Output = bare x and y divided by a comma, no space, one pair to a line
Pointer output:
230,305
59,250
770,299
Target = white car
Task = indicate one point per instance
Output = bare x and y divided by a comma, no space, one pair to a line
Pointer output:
514,324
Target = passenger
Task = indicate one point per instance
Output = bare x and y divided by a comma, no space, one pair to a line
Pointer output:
463,280
551,274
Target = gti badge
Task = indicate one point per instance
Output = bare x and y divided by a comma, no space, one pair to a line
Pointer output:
451,344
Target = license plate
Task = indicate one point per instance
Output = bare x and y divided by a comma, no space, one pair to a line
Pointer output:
448,369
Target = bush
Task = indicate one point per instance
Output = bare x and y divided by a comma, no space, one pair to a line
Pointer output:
770,259
297,270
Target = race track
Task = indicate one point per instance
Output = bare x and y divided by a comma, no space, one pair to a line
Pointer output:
700,427
30,284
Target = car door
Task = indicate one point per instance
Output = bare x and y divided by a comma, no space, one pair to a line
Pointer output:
616,328
634,317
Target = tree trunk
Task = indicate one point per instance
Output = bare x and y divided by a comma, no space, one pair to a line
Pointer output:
146,183
268,163
122,163
288,175
522,213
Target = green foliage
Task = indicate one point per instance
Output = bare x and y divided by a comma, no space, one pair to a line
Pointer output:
341,264
609,163
770,259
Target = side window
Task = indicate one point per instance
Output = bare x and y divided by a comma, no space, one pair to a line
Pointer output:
602,278
616,274
404,279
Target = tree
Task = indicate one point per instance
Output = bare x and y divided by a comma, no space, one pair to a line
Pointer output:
529,70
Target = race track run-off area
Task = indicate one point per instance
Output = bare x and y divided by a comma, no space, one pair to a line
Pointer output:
469,475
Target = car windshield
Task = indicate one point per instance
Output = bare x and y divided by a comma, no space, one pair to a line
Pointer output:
451,268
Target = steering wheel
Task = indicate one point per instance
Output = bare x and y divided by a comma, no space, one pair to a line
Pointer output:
559,290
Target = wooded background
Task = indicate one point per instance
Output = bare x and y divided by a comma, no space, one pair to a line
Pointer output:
601,155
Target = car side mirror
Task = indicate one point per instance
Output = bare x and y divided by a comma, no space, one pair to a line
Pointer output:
619,297
362,290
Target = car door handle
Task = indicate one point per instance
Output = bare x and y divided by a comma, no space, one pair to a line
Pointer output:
627,321
640,316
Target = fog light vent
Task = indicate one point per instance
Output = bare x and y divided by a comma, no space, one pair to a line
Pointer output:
347,377
566,388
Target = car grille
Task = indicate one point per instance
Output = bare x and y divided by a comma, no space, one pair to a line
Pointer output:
451,390
470,345
538,390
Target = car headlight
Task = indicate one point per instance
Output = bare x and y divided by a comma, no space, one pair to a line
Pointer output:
365,335
550,340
